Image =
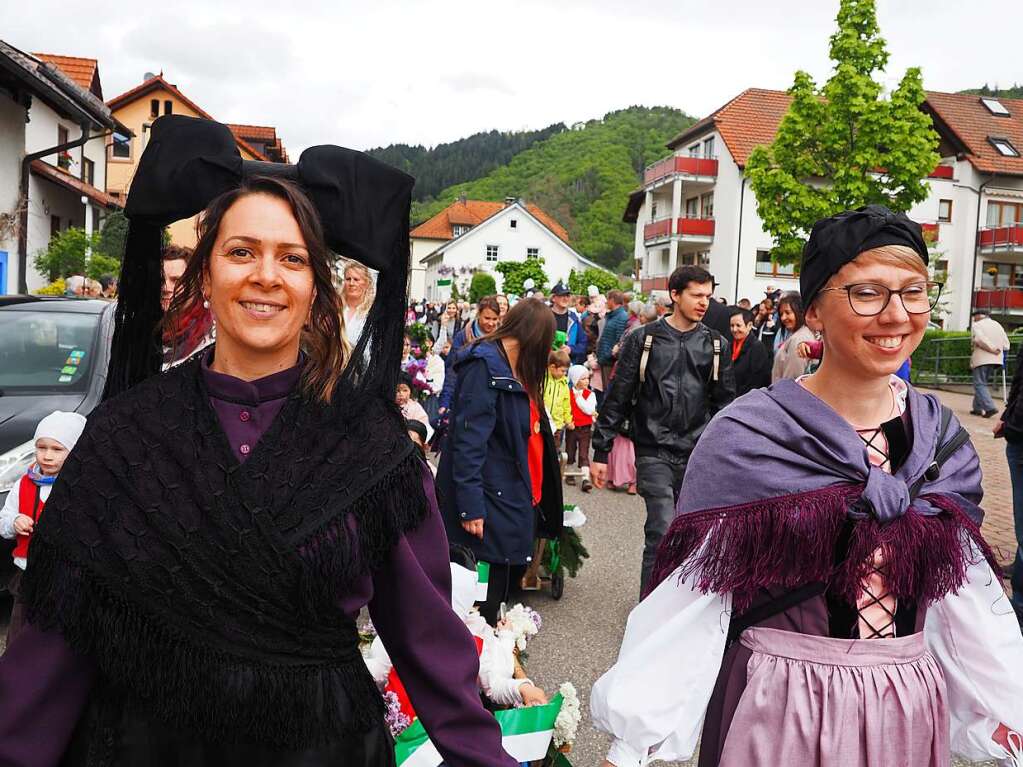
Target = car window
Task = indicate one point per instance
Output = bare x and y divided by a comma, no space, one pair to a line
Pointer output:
46,351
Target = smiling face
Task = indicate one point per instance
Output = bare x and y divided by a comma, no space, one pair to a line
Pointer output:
356,285
260,281
488,320
868,347
50,455
787,317
737,324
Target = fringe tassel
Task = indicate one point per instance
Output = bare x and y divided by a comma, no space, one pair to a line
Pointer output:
197,688
790,541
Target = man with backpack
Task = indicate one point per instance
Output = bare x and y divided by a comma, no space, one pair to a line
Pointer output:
672,376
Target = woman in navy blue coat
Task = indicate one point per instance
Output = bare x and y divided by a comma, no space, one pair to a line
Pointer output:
499,482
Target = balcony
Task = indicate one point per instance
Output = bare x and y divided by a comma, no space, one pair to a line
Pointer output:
650,284
943,171
657,230
1001,239
999,300
686,229
693,168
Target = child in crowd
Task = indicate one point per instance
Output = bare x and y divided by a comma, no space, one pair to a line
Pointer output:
411,410
584,405
556,397
55,436
496,648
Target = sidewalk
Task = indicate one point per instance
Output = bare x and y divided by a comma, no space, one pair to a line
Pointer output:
998,524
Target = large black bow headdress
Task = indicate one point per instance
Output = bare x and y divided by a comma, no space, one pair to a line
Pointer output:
363,206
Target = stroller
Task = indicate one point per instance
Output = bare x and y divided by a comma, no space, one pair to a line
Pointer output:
553,559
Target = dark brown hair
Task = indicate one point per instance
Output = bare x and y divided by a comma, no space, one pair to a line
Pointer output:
617,296
322,338
795,303
488,302
176,253
531,323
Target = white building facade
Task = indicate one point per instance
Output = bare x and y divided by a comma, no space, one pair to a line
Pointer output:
514,233
696,206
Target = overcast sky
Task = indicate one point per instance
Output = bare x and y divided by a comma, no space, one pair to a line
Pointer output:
365,74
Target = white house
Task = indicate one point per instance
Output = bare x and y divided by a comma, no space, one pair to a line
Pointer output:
54,131
473,235
696,206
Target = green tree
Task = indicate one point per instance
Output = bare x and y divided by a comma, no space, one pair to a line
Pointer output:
113,235
482,284
517,272
65,254
100,264
844,145
579,282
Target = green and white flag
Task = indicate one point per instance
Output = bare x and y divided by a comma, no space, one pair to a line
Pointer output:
526,732
483,571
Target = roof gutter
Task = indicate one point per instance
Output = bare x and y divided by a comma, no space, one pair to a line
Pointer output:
976,244
23,198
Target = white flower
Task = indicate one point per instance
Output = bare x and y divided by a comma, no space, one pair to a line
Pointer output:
567,723
521,624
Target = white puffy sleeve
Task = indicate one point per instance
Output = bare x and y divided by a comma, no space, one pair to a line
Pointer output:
497,669
378,662
653,700
975,638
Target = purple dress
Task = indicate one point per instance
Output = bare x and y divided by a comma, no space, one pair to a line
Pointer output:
45,686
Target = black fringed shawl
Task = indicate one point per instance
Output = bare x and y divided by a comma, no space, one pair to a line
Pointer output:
208,589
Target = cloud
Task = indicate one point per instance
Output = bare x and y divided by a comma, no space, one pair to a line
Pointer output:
469,82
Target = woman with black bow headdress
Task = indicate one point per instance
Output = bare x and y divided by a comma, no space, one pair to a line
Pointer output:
824,597
195,580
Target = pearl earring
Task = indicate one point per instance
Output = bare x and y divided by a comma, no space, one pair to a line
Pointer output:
205,303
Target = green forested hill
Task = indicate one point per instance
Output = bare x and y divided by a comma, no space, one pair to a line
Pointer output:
459,161
1015,92
582,177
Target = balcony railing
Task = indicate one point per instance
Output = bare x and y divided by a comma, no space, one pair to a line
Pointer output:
943,171
998,300
657,229
706,167
1004,238
695,227
648,284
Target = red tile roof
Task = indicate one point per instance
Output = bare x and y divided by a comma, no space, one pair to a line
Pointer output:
84,72
157,82
971,125
745,122
66,180
473,213
265,135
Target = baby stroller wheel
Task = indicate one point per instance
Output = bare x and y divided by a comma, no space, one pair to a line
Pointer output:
557,585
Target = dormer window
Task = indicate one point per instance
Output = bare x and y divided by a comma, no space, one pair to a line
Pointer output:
457,230
1004,146
995,107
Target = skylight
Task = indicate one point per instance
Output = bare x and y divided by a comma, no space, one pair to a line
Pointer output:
995,107
1004,146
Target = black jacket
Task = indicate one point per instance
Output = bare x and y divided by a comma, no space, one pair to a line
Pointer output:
1013,413
676,400
752,368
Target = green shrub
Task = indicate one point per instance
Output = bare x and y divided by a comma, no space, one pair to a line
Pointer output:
944,357
578,282
483,284
55,288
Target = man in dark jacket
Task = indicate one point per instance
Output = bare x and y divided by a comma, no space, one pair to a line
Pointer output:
614,327
1010,426
568,322
672,376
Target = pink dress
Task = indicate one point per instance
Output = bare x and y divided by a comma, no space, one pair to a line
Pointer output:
621,463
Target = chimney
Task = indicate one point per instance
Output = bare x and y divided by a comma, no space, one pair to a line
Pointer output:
510,201
462,199
148,76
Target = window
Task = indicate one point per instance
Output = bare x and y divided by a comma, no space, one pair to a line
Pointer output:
492,251
457,230
653,210
708,147
168,107
120,147
693,207
1004,213
532,253
703,258
1004,146
944,210
154,107
765,267
89,172
694,150
707,205
63,157
995,107
1001,275
54,226
513,223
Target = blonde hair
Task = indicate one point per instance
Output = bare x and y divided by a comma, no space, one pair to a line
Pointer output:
899,256
371,290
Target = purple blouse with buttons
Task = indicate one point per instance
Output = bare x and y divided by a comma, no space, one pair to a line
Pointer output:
44,685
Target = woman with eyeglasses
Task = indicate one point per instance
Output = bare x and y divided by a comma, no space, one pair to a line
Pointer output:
824,596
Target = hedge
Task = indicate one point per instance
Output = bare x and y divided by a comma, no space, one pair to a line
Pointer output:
950,349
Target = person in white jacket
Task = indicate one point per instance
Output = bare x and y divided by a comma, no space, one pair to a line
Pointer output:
989,344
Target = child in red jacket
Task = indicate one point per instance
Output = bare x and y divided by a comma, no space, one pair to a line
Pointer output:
55,436
584,406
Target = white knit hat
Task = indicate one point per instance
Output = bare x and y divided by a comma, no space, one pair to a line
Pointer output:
593,291
64,427
576,372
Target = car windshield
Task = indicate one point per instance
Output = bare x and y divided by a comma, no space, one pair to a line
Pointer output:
46,351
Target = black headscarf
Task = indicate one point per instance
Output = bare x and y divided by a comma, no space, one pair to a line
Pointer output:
837,240
363,206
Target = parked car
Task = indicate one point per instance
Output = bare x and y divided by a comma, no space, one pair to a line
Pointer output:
53,356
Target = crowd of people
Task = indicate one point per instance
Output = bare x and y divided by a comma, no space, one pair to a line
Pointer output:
815,588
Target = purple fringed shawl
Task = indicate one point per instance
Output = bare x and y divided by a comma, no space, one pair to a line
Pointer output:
776,475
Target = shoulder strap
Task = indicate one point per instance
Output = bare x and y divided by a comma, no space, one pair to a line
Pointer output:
943,452
717,358
644,357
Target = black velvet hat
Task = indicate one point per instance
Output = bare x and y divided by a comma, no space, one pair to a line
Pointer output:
363,206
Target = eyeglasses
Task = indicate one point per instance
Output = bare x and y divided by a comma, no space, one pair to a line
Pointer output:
868,299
